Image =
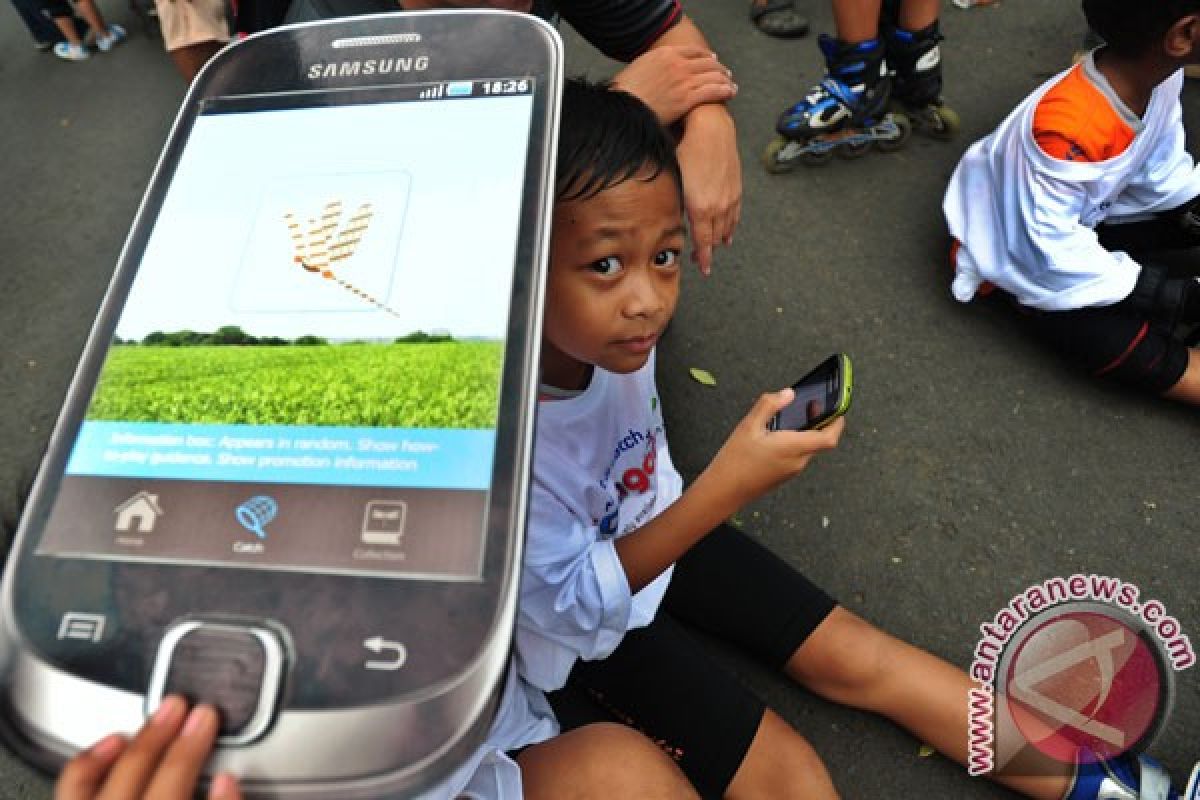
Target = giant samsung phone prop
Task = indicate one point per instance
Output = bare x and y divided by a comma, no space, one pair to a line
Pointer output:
291,471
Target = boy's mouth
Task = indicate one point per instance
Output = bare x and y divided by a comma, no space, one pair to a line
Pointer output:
638,344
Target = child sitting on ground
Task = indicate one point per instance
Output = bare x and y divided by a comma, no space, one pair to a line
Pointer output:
1063,207
621,559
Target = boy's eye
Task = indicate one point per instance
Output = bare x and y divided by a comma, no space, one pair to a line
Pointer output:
609,265
666,258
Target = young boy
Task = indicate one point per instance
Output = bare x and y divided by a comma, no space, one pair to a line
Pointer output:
885,55
621,559
1064,205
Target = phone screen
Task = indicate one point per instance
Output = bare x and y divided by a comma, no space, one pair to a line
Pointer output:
305,374
816,397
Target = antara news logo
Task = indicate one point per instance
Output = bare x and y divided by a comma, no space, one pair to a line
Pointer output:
1078,668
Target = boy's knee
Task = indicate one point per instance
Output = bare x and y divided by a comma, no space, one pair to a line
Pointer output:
845,659
781,764
617,761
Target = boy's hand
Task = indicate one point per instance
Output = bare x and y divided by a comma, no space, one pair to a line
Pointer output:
162,762
755,460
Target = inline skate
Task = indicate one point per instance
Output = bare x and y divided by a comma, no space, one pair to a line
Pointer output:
845,114
915,59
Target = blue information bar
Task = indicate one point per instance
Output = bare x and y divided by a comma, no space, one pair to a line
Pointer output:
423,458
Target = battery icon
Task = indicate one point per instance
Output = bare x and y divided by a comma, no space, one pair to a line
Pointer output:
459,88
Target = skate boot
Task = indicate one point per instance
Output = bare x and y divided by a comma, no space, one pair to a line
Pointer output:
845,114
1128,778
916,62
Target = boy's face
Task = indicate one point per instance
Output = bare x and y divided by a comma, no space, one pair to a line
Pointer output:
614,279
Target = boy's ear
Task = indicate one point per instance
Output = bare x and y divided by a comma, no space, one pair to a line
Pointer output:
1182,41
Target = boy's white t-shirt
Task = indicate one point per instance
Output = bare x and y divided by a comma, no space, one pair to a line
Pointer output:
1025,220
522,718
601,469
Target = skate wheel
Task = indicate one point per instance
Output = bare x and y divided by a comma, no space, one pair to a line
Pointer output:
904,126
851,151
948,123
817,158
774,157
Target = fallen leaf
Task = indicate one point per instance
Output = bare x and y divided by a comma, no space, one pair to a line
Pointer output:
926,751
702,376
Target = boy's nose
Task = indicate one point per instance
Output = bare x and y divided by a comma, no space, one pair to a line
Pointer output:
645,298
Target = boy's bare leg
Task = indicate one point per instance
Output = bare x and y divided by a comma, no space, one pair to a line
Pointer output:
1187,389
600,762
66,26
849,661
89,11
780,765
858,20
917,15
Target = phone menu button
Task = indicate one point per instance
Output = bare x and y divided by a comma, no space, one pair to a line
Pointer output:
238,669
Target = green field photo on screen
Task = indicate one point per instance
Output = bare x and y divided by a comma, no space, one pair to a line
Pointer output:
419,381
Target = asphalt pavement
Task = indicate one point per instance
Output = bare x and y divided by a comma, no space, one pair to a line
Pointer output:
973,466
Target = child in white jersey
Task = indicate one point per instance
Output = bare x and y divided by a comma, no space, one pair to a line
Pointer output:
1069,207
622,561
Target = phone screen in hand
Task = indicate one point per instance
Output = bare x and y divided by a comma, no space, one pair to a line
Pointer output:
818,396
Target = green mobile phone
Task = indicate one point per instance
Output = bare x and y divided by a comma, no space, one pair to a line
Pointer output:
822,396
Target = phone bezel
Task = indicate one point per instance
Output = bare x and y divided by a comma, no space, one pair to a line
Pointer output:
254,67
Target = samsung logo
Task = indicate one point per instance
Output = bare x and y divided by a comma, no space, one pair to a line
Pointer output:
368,67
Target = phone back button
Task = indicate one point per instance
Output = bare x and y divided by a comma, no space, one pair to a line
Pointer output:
234,668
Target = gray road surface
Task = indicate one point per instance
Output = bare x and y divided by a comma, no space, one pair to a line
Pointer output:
973,465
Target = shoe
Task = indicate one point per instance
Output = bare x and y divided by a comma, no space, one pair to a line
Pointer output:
778,18
71,52
115,35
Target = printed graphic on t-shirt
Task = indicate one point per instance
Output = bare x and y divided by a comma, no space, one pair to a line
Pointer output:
630,482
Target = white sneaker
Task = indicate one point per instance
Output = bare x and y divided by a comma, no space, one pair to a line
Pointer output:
71,52
115,35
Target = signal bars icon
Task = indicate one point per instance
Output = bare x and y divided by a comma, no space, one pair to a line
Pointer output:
433,92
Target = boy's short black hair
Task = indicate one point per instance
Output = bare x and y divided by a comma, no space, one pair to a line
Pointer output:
606,137
1133,27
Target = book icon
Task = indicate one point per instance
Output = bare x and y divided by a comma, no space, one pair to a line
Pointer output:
383,522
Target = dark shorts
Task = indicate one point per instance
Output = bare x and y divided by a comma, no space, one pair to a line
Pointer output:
661,679
1119,342
1114,341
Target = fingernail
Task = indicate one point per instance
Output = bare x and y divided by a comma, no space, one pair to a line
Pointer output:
107,748
197,721
224,785
169,710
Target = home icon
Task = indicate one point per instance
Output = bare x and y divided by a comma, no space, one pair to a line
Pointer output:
142,508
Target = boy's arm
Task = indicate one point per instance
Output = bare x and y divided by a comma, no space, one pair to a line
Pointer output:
577,587
753,461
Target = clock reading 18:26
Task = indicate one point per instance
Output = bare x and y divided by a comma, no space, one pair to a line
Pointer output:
510,86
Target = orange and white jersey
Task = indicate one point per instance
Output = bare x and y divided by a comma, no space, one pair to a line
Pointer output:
1024,202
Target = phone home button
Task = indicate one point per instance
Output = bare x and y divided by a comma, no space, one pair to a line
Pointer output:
236,668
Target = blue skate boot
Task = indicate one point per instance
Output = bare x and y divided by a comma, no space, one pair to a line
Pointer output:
845,114
916,62
1128,778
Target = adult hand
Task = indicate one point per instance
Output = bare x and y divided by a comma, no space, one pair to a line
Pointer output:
162,762
712,180
755,460
674,79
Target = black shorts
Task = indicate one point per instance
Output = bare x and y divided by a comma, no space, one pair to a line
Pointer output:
1119,341
663,682
1114,341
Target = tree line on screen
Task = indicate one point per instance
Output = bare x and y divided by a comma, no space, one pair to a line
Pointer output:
233,335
